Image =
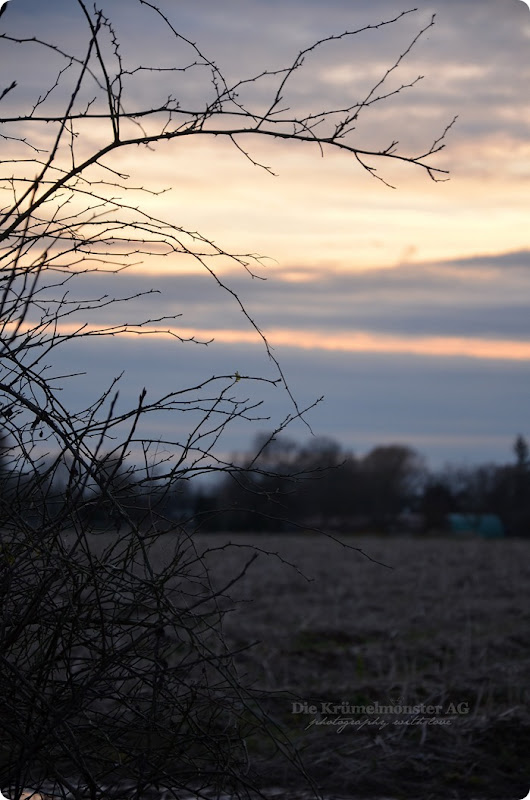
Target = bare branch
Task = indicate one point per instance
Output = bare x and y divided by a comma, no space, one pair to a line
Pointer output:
116,676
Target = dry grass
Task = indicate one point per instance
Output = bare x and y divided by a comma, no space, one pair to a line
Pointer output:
449,623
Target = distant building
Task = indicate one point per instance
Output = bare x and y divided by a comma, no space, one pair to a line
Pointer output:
489,526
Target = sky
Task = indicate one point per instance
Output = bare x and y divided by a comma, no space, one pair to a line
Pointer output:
405,308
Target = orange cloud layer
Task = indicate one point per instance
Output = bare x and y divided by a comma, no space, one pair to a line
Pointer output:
361,341
341,341
364,342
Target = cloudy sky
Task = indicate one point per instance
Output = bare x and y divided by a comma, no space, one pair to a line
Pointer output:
406,307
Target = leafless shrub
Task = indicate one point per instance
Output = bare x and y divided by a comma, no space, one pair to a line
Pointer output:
115,675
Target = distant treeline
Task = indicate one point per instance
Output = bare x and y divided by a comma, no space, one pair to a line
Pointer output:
321,485
281,485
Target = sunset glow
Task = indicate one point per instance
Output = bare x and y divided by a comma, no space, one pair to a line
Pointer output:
356,275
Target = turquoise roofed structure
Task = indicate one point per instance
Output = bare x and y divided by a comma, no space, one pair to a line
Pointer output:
489,526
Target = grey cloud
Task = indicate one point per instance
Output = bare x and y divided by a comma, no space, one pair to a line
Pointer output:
449,408
444,299
519,259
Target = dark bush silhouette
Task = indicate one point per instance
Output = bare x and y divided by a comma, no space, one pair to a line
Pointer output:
115,678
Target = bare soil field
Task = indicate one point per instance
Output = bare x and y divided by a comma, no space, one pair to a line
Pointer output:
410,680
399,666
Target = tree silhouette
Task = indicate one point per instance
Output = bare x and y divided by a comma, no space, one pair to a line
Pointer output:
391,477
